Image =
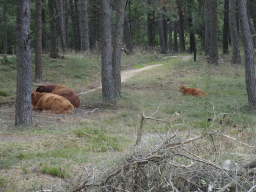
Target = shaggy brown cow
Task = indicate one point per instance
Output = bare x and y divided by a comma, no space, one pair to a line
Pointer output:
192,91
50,103
62,91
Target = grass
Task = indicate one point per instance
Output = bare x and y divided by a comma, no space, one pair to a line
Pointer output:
100,137
55,171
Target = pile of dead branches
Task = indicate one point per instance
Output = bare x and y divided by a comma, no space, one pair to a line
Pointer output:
180,160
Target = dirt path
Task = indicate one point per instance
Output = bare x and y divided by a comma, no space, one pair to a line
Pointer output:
126,74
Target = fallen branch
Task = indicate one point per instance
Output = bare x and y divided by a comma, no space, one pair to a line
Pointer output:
143,167
237,140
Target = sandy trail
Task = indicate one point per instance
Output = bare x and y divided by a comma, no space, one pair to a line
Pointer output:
126,74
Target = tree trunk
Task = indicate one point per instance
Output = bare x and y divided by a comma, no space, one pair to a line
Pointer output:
165,30
116,55
66,15
72,14
163,46
84,26
75,24
191,30
137,24
23,113
95,33
236,59
225,28
151,29
77,27
248,54
54,44
207,29
181,26
108,90
192,36
5,25
213,33
252,8
170,35
251,4
175,26
38,45
61,22
44,34
128,35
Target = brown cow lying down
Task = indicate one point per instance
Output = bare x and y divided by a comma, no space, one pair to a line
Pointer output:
192,91
62,91
50,103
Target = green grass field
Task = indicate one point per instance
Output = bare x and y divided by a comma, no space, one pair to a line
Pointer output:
64,143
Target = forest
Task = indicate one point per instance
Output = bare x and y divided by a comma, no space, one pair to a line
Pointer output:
167,25
132,64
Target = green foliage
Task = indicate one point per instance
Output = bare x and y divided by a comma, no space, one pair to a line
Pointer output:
3,93
24,169
20,156
3,182
55,172
7,63
98,140
138,66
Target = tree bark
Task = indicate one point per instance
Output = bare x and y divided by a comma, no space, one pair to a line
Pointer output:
175,26
248,54
192,36
162,40
181,25
61,22
44,34
128,35
191,29
236,59
151,29
116,55
108,90
75,24
75,41
252,8
165,30
213,33
207,28
170,35
5,25
54,44
84,26
95,33
77,27
38,45
23,112
66,20
225,28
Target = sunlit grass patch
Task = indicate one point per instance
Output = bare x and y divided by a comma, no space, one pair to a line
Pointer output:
55,171
3,93
3,182
99,141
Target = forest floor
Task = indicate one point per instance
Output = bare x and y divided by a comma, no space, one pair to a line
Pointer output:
81,114
7,110
30,172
